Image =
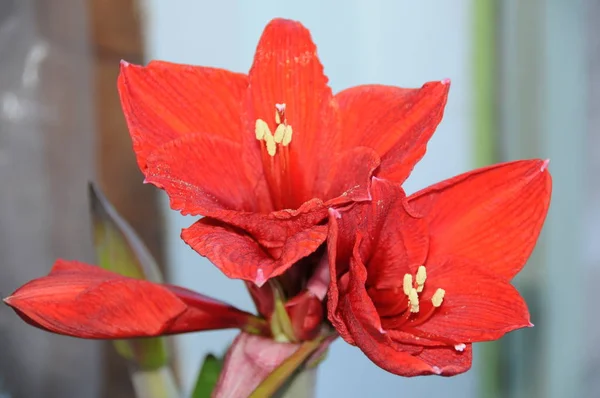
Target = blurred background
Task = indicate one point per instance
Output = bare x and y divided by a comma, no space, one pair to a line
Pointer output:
525,83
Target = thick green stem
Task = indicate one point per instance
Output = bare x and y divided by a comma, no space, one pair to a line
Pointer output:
158,383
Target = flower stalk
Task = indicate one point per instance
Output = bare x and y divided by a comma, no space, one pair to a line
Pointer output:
155,383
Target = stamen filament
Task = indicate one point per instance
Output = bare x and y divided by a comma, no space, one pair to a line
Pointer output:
423,315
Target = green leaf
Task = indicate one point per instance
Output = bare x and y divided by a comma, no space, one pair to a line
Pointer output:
148,353
208,376
119,249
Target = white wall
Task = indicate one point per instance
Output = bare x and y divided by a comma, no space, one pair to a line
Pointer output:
403,43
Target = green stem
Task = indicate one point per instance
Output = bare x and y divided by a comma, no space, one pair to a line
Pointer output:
157,383
302,385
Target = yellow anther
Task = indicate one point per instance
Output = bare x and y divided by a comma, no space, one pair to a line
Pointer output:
413,300
261,129
287,136
407,284
271,146
277,117
438,297
421,278
279,133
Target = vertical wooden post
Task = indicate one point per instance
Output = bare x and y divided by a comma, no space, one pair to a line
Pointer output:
116,35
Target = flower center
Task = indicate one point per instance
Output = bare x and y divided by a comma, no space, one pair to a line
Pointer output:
416,311
276,158
283,131
405,308
412,290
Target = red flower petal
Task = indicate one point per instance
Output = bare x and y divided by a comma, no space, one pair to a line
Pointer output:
262,297
306,314
81,300
356,293
445,361
205,313
394,121
398,241
163,101
238,255
398,359
286,70
318,282
349,177
362,323
337,267
204,174
491,216
477,306
395,241
220,189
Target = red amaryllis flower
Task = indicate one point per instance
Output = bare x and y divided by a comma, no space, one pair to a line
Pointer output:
264,155
85,301
415,281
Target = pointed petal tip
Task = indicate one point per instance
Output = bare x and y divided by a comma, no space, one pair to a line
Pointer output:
544,166
124,63
7,300
283,21
334,213
445,81
260,278
530,325
278,25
